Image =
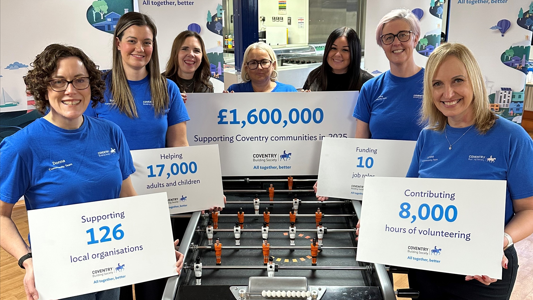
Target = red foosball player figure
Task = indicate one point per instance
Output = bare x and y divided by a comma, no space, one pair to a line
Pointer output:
214,216
266,217
318,216
266,251
292,216
271,192
240,216
314,251
290,181
218,252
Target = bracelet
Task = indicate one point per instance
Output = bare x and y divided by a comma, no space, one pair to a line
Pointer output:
509,240
23,259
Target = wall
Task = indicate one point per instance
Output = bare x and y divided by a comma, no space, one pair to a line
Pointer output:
296,9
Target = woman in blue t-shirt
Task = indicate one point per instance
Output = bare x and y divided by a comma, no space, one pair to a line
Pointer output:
54,161
258,71
460,123
388,105
147,106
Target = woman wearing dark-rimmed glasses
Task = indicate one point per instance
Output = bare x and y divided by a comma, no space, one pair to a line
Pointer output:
259,71
54,161
388,104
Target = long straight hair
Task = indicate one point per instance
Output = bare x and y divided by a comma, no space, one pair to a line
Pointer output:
202,74
354,68
119,83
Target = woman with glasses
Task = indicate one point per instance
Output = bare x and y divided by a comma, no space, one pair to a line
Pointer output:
259,71
147,106
188,65
388,104
340,69
54,160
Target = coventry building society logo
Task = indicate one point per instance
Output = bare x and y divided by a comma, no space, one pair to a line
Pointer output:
120,267
285,155
436,251
107,152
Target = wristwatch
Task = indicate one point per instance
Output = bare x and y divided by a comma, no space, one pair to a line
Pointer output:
509,239
23,258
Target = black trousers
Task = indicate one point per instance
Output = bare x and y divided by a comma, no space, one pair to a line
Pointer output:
153,290
442,286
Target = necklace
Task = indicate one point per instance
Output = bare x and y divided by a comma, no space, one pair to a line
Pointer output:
445,135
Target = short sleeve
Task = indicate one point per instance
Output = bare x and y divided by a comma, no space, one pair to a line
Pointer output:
125,161
414,168
14,174
520,171
177,111
363,109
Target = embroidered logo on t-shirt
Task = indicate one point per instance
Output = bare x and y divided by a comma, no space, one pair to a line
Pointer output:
381,98
430,158
107,152
111,102
147,102
418,96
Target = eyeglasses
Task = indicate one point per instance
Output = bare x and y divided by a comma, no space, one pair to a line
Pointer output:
403,36
254,64
61,85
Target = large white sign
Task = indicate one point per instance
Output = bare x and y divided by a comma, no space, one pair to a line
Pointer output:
84,248
265,134
499,34
434,224
345,163
190,176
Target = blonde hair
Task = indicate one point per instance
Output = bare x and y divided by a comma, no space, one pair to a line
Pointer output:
484,118
398,14
261,46
119,83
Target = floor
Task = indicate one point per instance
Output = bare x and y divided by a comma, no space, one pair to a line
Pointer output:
11,275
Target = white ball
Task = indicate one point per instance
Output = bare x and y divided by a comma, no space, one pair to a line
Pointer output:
283,294
308,294
269,294
278,294
264,293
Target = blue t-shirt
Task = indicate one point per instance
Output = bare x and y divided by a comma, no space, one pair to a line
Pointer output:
505,152
391,106
148,131
52,166
246,87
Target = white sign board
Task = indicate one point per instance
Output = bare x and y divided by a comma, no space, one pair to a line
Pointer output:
434,224
345,163
190,176
268,134
101,245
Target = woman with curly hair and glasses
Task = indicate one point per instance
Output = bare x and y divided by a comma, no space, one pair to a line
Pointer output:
54,160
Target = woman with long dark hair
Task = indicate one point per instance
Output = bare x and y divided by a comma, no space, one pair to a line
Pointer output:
340,69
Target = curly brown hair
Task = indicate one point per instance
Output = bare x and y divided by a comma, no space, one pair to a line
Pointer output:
44,66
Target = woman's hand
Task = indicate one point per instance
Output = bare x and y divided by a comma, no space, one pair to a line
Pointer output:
29,281
215,208
179,257
184,97
357,230
486,280
226,91
320,198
